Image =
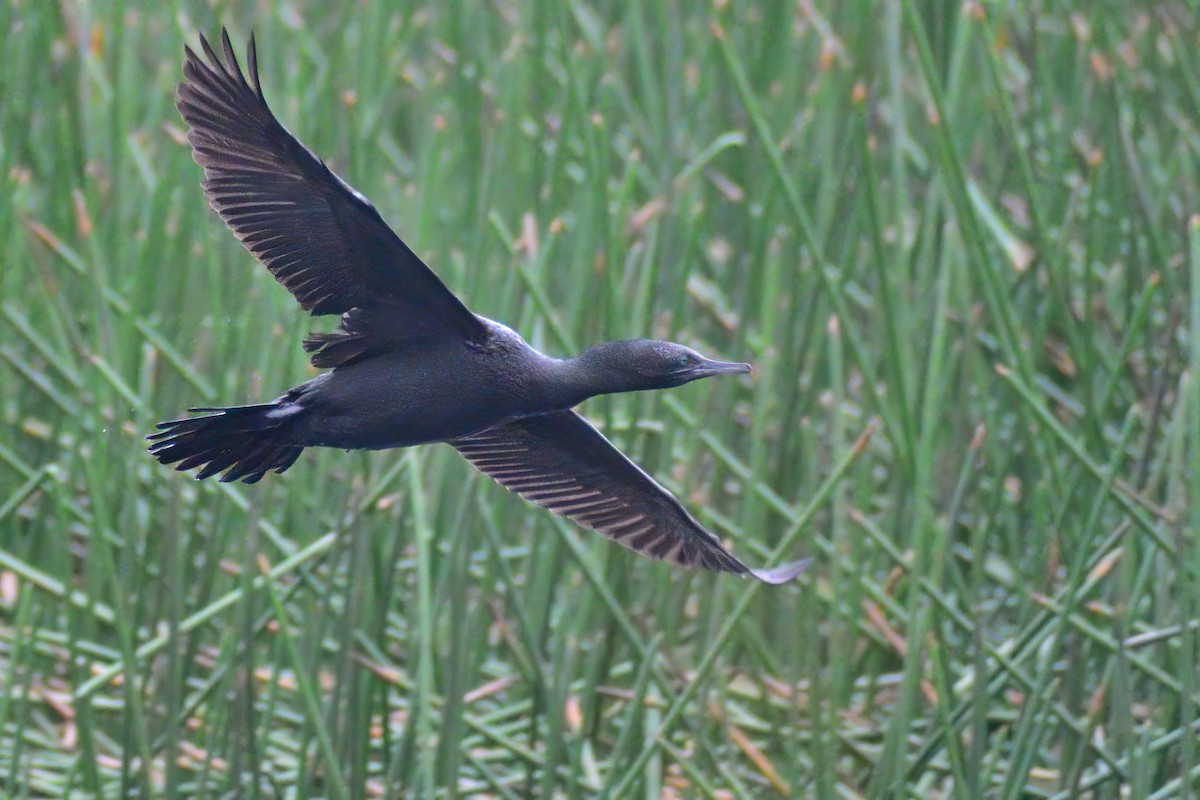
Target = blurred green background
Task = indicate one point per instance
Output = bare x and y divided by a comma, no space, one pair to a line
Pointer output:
964,226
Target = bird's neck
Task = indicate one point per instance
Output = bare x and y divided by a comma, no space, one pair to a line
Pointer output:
573,380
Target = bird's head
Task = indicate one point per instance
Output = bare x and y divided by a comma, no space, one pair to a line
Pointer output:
637,364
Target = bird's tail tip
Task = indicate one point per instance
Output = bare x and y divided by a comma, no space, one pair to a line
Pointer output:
243,442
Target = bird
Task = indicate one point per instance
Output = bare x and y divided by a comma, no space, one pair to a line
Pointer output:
408,363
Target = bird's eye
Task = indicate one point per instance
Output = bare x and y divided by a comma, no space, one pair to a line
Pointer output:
682,360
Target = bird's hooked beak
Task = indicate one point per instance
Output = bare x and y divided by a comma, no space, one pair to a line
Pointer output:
709,367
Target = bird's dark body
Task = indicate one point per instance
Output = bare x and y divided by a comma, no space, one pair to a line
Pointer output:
410,363
425,391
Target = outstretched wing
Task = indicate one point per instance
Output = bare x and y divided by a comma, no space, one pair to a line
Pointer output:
563,464
319,237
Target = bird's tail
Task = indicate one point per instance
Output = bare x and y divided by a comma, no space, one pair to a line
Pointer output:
243,442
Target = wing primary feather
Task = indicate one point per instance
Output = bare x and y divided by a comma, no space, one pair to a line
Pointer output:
299,218
562,463
252,66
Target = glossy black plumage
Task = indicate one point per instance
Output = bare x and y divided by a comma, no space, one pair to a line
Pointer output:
410,363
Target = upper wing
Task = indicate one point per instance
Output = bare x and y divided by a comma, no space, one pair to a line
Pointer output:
563,464
319,237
